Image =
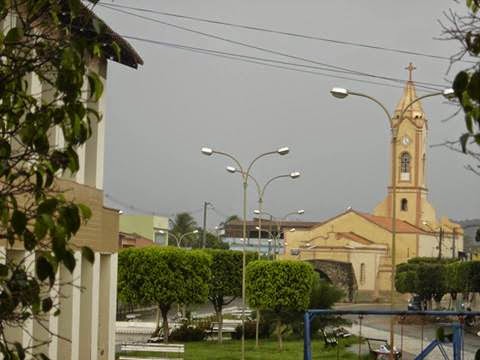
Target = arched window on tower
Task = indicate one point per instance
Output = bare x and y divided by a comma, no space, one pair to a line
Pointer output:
404,205
405,166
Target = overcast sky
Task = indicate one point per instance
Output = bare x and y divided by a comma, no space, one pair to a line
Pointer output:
158,117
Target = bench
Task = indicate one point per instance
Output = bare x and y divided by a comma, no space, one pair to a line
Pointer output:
329,338
227,328
161,349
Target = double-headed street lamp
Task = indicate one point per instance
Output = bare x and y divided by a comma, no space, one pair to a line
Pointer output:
261,194
342,93
274,236
278,223
245,172
178,239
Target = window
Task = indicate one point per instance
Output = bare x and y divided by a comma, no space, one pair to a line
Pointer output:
362,273
405,166
404,205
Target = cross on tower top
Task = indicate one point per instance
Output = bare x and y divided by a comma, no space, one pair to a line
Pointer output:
410,69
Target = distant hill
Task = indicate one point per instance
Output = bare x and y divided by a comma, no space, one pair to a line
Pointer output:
470,227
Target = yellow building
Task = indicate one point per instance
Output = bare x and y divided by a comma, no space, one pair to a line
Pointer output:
353,249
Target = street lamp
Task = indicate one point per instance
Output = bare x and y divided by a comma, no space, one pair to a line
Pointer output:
278,222
275,237
342,93
245,172
178,239
261,194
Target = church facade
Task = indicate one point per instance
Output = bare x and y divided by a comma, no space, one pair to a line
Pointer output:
353,249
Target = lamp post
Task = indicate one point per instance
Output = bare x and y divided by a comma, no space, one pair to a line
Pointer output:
275,237
278,223
261,194
342,93
245,172
178,239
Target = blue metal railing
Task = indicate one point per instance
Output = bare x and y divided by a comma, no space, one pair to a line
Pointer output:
457,327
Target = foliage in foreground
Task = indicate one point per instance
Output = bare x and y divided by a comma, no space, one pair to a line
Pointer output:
42,44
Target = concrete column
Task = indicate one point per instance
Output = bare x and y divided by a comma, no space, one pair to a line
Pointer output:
113,305
95,306
101,108
76,297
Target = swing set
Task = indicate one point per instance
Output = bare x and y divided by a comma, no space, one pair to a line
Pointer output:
384,351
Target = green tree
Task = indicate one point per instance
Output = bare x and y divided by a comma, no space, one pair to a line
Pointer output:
163,276
425,277
44,43
465,29
184,223
226,280
281,286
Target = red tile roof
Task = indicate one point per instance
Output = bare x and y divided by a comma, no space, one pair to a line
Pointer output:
386,223
355,237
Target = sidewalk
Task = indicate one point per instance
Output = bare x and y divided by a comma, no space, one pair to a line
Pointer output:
411,345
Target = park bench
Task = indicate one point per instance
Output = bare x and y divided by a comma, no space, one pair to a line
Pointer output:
329,338
381,349
226,329
161,349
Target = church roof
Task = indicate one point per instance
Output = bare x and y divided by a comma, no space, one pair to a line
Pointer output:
355,237
386,223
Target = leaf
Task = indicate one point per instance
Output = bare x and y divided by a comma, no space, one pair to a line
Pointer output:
460,83
88,254
3,270
473,88
20,350
48,206
5,149
69,261
96,86
40,228
29,240
13,36
47,304
117,50
44,269
85,211
19,221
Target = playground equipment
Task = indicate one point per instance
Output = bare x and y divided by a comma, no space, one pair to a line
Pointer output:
457,330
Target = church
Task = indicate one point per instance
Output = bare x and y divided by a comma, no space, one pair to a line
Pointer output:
354,249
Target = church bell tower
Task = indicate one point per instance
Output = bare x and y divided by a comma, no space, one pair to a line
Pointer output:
411,127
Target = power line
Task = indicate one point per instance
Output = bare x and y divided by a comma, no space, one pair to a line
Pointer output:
261,61
129,206
286,33
263,49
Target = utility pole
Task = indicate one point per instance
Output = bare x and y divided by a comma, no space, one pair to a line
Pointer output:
440,240
204,233
454,234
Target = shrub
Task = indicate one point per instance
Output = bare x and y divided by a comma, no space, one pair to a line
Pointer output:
188,333
250,327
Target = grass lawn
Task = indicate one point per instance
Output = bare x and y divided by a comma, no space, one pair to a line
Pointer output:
230,350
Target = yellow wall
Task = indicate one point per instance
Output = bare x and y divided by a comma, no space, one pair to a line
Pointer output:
375,256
